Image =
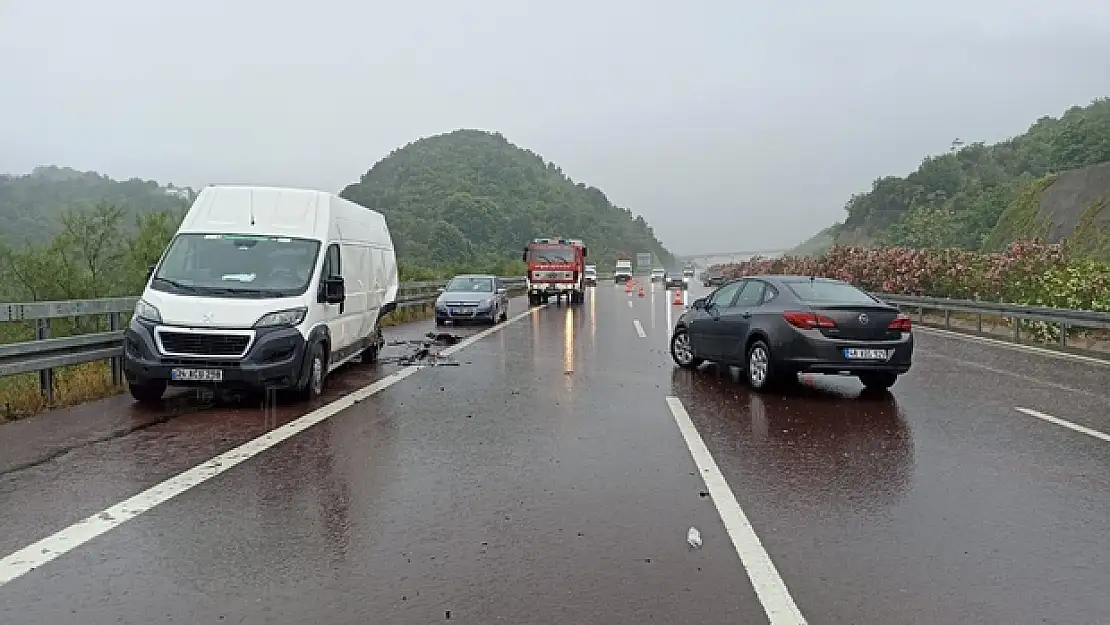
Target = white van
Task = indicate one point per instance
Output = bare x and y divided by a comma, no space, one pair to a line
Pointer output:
264,288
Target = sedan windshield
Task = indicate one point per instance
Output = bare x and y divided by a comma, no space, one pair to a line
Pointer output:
471,285
824,292
236,265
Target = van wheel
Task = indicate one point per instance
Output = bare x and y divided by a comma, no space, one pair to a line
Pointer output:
317,371
147,392
370,354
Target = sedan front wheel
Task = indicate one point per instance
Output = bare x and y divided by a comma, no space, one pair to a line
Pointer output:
683,352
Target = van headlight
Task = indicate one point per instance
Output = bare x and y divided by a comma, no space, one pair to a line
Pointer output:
290,317
145,310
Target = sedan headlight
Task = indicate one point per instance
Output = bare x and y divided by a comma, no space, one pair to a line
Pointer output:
290,317
486,303
145,310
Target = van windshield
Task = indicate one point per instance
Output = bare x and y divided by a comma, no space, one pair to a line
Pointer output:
237,265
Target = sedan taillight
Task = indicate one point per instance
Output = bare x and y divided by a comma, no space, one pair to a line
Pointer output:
901,323
808,320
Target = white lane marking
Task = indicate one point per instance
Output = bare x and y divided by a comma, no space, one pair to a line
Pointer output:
1014,346
670,322
1075,427
639,328
39,553
630,303
769,587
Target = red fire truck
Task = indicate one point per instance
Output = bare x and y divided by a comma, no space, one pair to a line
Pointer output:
556,267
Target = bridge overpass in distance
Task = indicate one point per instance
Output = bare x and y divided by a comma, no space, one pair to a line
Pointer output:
717,258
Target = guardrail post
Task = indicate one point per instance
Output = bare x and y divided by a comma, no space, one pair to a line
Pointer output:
921,315
948,320
979,323
1063,334
1017,329
115,363
46,376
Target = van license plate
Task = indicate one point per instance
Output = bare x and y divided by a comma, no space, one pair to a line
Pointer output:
852,353
197,375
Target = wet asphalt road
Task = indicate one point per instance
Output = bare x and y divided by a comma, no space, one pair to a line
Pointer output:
545,480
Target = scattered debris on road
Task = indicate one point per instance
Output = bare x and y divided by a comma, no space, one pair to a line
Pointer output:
694,537
423,353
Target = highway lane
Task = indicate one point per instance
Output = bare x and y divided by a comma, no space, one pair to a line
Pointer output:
547,481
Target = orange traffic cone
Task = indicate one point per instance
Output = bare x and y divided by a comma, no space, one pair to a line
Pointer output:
641,290
677,297
628,287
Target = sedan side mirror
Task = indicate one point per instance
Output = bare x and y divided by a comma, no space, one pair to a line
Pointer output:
699,303
335,291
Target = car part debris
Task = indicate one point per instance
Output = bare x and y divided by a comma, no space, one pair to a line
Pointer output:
423,353
693,537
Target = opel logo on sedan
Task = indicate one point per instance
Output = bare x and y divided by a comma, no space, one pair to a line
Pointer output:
863,319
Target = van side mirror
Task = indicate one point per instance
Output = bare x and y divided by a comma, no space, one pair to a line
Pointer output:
699,303
502,291
441,289
335,291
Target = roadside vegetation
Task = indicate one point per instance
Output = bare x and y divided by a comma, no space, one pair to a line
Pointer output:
1025,272
1046,183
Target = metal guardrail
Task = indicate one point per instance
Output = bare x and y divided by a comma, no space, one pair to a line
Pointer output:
1063,317
44,353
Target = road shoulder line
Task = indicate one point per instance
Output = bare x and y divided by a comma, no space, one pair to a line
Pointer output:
768,584
1064,423
35,555
1020,347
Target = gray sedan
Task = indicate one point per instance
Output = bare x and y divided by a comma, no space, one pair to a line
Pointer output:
778,326
473,298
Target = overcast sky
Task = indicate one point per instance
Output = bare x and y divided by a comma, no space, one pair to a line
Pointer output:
730,125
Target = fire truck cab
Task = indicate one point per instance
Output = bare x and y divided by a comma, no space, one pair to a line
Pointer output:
556,266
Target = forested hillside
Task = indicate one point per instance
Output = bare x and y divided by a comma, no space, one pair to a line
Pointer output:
32,205
472,198
982,197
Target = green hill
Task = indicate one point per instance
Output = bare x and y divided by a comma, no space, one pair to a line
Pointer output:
984,196
471,198
31,205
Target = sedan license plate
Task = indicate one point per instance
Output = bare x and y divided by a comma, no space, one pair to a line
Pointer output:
854,353
197,375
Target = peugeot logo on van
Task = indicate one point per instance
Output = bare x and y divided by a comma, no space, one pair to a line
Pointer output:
863,319
207,317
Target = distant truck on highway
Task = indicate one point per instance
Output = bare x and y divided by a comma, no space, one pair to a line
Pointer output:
591,275
556,267
263,288
623,272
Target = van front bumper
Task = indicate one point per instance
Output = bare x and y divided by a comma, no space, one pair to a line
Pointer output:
275,360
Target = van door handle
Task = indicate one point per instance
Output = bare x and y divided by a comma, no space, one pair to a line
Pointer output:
746,315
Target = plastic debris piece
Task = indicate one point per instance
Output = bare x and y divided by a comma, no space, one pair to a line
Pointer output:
694,537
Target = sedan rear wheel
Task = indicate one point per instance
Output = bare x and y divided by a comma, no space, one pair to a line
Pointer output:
761,372
683,352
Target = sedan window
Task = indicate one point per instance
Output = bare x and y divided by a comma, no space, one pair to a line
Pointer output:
751,294
723,297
